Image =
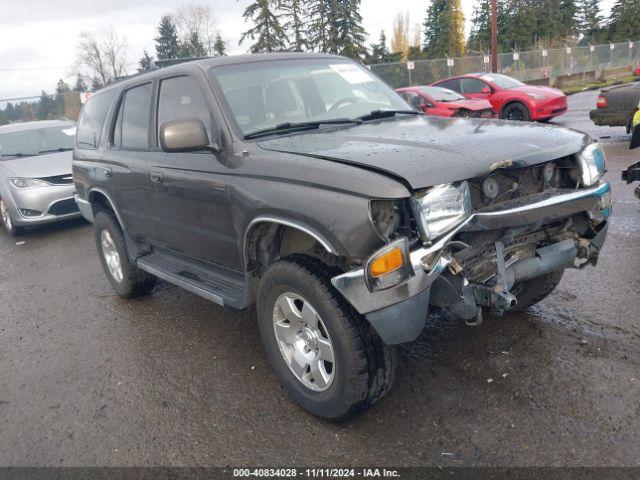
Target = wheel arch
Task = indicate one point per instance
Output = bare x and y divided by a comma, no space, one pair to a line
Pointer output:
281,235
98,198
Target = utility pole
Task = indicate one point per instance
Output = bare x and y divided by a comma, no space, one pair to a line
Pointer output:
494,36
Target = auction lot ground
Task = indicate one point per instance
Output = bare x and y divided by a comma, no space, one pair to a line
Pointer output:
89,379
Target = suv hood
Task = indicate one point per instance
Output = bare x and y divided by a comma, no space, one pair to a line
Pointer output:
424,151
39,166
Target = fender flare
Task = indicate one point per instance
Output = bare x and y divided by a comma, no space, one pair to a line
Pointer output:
319,237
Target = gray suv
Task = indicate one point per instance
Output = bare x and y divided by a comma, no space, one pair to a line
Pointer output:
304,185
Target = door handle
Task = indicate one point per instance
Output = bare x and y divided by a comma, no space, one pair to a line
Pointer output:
108,172
156,177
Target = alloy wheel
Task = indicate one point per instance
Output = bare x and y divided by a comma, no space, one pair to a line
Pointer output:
6,218
111,256
304,342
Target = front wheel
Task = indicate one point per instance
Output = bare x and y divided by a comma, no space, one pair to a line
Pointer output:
516,111
537,289
323,352
7,221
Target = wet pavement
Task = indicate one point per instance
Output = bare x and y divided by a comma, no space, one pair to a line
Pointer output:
89,379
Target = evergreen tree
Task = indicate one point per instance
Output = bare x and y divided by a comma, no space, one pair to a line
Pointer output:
145,63
589,21
268,33
379,51
625,20
62,91
219,47
321,14
444,29
81,85
167,46
12,112
193,47
294,24
480,35
569,13
47,108
347,34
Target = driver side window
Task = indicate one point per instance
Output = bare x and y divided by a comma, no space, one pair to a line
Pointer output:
471,85
181,99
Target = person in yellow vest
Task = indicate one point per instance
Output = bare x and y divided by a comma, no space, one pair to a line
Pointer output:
635,138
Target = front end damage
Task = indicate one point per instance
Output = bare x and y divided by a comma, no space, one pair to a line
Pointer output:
478,266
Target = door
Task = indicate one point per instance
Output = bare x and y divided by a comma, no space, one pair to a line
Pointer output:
126,161
190,190
474,88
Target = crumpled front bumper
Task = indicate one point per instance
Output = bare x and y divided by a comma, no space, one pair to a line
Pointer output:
398,314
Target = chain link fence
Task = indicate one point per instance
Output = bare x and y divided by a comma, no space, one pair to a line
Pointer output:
526,66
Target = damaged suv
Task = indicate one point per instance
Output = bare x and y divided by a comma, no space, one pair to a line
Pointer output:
304,185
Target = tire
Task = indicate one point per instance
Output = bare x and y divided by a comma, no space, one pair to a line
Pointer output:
537,289
129,281
515,111
363,369
7,221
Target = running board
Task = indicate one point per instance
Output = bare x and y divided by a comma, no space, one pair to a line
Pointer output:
219,285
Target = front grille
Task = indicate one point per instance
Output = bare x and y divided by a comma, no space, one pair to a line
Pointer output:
64,207
514,183
59,179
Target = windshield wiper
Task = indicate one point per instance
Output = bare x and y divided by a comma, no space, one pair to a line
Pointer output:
288,126
54,150
375,114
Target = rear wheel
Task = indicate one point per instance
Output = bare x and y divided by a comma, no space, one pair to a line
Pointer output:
516,111
537,289
126,279
7,221
323,352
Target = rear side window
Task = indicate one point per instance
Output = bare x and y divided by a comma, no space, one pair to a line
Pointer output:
92,119
132,126
181,99
451,85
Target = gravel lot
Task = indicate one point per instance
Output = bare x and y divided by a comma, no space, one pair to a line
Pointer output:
90,379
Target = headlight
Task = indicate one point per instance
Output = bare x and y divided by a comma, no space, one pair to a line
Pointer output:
592,164
442,208
536,96
23,183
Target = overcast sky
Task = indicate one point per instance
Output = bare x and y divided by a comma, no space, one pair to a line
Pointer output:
38,37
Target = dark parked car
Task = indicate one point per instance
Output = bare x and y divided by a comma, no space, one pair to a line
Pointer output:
616,105
306,186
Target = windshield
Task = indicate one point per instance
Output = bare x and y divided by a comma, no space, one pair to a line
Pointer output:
28,143
439,94
263,95
502,81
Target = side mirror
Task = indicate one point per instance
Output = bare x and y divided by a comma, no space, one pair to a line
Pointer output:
185,136
486,90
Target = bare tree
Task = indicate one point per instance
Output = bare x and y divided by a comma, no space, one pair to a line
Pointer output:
196,19
102,56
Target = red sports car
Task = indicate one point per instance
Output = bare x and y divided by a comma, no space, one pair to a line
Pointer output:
443,102
511,99
636,72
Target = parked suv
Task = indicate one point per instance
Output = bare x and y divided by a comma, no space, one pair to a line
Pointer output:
304,185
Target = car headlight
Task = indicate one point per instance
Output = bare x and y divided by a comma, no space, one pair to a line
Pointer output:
536,96
442,208
23,183
592,164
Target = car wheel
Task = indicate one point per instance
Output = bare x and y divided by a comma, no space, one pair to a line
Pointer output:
323,352
126,279
7,221
537,289
516,111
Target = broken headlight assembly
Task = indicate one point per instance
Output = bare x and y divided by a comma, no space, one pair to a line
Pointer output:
591,162
441,209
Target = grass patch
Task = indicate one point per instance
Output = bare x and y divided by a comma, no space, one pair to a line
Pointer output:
598,85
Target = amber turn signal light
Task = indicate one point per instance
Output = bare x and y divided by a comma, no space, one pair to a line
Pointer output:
388,262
